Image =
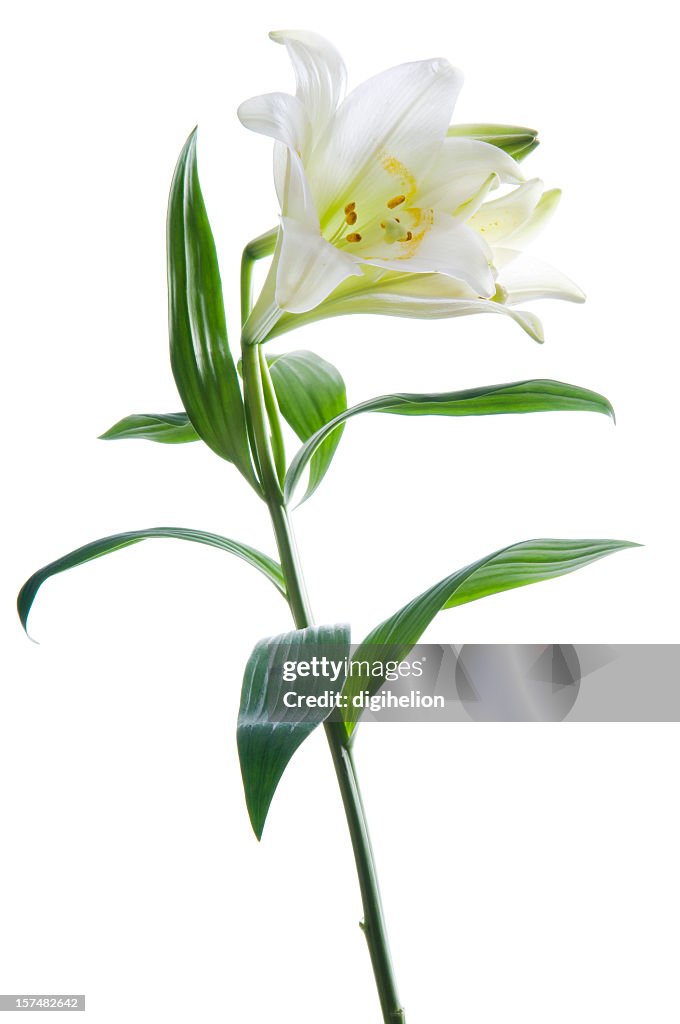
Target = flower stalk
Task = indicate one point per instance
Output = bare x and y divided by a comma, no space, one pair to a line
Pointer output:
263,417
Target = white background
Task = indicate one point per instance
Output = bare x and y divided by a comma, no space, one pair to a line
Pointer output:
530,873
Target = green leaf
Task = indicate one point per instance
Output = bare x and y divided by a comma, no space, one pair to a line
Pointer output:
202,365
516,141
310,392
267,735
518,565
520,397
167,428
105,545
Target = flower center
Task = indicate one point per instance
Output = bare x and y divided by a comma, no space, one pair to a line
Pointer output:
379,221
375,234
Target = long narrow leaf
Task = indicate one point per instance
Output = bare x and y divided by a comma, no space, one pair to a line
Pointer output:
520,397
518,565
267,738
166,428
105,545
202,365
310,393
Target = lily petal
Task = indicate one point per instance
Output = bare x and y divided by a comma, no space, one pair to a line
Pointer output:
283,118
415,296
460,170
451,248
501,218
309,267
384,135
293,188
543,211
279,115
525,279
319,73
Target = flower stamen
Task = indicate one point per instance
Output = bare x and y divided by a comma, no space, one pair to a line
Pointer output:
353,237
351,213
395,201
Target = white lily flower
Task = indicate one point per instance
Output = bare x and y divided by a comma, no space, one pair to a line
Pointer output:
381,209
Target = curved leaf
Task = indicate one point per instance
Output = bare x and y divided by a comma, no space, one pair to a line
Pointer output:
167,428
518,565
267,736
202,365
105,545
520,397
516,141
310,392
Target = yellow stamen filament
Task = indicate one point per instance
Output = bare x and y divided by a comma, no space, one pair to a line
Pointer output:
395,201
354,237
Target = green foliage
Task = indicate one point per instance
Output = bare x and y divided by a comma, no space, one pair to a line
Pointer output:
518,565
105,545
167,428
202,364
520,397
310,392
266,739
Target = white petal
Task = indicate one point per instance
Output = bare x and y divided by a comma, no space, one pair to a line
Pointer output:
384,135
293,189
278,115
501,218
437,287
543,211
465,210
416,296
280,171
461,168
525,279
319,73
309,267
451,248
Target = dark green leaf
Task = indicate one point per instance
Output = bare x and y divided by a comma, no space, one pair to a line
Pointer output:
204,370
310,392
267,735
516,141
518,565
168,428
105,545
520,397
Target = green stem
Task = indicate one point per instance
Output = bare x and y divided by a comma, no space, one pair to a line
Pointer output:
345,770
257,249
274,415
374,927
